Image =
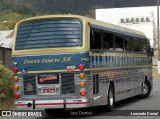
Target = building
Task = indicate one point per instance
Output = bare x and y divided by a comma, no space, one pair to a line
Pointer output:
6,38
138,18
6,42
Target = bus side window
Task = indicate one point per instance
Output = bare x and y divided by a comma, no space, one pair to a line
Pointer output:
136,45
119,43
128,43
107,43
91,39
95,39
143,46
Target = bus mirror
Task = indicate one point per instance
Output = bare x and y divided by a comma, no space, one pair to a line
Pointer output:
151,52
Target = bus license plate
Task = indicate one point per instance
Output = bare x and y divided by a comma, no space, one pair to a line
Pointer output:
49,90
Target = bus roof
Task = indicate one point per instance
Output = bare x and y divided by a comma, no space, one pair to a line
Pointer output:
94,23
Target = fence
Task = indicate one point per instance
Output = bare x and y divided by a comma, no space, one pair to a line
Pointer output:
5,57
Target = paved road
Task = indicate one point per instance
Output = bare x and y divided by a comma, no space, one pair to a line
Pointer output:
150,103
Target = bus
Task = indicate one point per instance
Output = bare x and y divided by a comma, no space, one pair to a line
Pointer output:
71,62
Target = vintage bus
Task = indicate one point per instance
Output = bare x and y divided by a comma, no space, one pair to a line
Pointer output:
71,61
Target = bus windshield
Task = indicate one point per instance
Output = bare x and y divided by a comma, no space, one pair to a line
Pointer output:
49,34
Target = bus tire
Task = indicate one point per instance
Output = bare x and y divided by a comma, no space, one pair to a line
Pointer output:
146,90
111,98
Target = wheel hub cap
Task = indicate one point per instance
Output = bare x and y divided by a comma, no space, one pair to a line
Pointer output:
145,89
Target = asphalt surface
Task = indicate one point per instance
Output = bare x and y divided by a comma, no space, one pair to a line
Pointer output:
125,107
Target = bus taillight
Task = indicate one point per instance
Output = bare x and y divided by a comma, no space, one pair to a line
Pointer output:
15,78
83,93
81,75
15,70
82,84
16,95
16,87
81,67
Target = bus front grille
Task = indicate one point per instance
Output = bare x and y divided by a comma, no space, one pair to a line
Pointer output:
29,84
68,85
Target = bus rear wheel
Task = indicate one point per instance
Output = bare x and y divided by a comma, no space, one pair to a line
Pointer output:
111,98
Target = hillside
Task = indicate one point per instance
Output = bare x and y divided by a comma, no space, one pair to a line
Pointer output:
13,10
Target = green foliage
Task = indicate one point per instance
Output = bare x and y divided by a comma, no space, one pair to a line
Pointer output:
7,104
11,19
6,83
11,13
15,10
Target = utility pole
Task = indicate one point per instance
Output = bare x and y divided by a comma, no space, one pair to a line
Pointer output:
158,36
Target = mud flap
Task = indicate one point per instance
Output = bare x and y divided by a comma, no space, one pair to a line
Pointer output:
33,104
64,104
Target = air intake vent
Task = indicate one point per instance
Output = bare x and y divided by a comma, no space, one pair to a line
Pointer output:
68,85
29,82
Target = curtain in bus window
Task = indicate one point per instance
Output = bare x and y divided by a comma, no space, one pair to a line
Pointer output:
95,39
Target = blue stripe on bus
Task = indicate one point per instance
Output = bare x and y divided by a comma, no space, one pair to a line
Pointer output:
51,61
60,61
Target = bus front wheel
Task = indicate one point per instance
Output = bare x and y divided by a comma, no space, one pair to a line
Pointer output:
146,90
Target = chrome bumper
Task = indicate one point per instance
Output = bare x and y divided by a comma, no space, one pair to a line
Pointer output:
52,104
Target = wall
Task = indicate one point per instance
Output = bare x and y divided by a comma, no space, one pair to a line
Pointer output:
5,57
